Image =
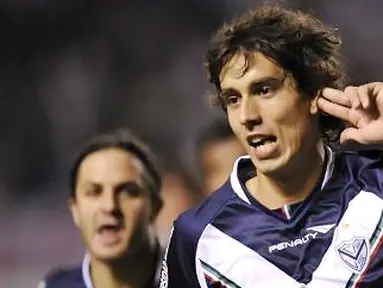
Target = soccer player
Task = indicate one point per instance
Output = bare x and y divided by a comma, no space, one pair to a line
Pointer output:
179,193
294,212
114,201
218,148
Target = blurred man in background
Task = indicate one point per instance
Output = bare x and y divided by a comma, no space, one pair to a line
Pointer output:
218,148
114,201
180,192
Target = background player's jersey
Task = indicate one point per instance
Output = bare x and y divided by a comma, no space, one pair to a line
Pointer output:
78,277
333,239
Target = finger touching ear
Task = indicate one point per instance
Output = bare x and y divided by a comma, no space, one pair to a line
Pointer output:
314,104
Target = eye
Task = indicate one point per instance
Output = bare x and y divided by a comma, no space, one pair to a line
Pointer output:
130,189
231,100
263,90
93,191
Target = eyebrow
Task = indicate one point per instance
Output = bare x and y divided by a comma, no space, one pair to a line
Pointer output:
128,184
91,183
266,80
255,84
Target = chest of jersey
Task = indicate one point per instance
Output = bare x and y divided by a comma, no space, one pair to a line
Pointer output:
333,241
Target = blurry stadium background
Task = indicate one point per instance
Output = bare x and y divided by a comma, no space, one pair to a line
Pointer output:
72,68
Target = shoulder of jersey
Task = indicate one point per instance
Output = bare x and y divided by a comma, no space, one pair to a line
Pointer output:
372,152
360,159
202,214
63,277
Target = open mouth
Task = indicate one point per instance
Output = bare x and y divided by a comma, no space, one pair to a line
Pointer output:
110,229
261,141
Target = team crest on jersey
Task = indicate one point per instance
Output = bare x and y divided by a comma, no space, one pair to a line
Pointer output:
354,253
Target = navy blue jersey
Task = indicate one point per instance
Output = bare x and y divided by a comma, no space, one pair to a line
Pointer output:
79,277
332,239
76,277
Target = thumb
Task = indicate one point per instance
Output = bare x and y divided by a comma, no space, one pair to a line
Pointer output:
350,135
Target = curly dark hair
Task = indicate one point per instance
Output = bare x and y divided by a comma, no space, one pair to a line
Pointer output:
301,44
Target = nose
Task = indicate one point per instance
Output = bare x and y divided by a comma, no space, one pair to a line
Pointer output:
110,201
250,113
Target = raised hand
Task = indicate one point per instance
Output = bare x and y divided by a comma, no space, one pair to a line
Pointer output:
361,107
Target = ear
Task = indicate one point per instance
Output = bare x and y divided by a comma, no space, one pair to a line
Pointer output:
157,204
313,104
72,204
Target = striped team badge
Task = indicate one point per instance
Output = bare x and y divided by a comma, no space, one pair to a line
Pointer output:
355,254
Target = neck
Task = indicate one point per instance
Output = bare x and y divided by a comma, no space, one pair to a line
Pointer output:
292,187
133,271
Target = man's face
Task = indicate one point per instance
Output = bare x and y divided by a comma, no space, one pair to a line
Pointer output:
217,159
268,115
112,208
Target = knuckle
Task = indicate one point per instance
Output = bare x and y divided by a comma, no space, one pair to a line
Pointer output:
350,89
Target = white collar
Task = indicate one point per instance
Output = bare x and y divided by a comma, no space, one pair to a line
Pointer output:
237,187
85,267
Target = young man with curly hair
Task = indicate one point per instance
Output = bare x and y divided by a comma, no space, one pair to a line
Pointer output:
295,212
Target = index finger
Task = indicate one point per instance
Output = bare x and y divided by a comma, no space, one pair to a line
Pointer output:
336,96
334,109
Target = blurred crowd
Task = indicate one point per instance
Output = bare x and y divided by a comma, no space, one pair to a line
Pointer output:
70,69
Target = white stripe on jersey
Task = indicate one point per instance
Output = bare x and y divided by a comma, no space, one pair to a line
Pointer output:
360,220
248,269
223,253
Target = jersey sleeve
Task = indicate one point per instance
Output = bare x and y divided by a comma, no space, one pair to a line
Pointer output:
42,284
50,278
181,267
45,282
178,266
370,174
60,277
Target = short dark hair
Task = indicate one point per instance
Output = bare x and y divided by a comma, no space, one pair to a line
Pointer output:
124,139
217,130
297,41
